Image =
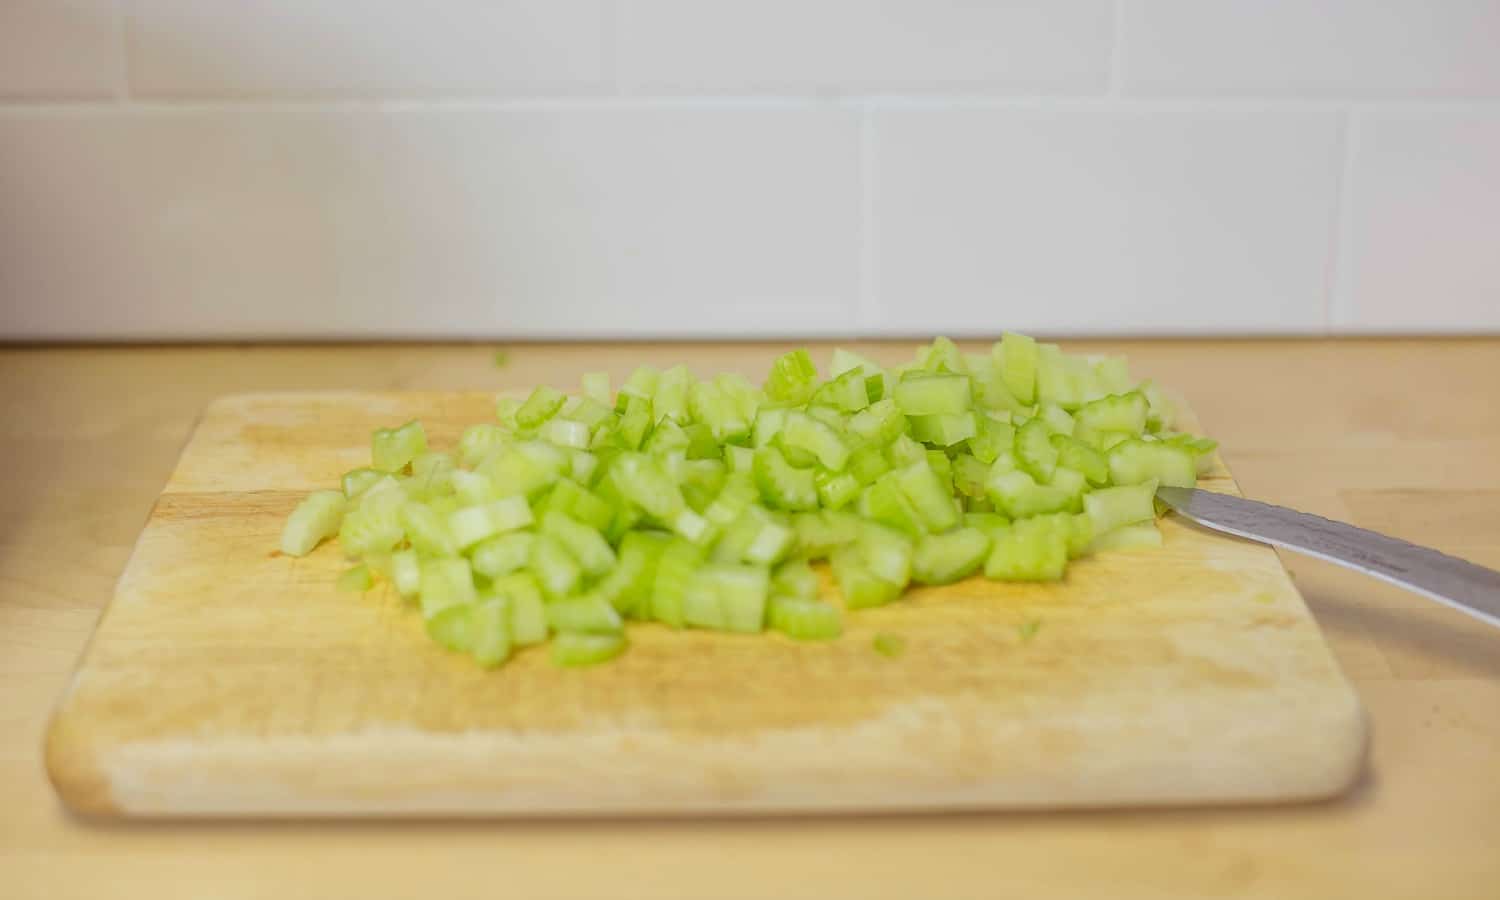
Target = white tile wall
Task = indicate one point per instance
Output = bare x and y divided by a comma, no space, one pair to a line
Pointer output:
1138,221
292,48
1313,48
447,222
1048,46
59,48
1423,235
493,168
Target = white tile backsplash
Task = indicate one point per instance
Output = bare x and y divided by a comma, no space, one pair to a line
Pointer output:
297,48
733,46
59,49
465,223
1423,239
501,168
1088,221
1322,48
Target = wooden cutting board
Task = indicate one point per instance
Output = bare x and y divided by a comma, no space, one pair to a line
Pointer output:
227,679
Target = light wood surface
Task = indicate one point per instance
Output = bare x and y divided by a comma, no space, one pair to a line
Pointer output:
228,679
1395,435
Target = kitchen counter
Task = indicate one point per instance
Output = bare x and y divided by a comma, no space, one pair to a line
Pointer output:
1398,435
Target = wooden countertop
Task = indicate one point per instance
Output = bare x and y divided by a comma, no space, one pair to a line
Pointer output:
1401,436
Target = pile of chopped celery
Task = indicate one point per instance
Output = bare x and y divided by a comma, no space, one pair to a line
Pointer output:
700,503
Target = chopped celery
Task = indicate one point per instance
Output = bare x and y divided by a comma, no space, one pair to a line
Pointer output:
392,449
315,518
805,620
700,502
571,649
946,558
356,579
889,645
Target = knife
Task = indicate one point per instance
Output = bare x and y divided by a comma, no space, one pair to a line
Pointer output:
1462,585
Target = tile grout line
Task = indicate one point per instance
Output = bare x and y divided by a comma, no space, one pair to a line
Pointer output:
1336,302
1115,86
866,310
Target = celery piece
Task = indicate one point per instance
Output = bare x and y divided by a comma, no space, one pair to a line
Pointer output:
925,394
1109,508
932,501
502,555
802,431
904,451
1135,536
670,397
795,578
641,383
793,378
781,485
727,597
768,424
1016,358
588,613
471,524
357,481
1019,496
886,553
675,569
1135,461
885,502
879,423
944,430
479,442
489,623
571,650
640,480
969,475
990,438
942,355
584,544
861,588
596,387
373,525
820,533
318,516
406,573
542,405
356,579
445,583
1117,412
946,558
803,619
453,627
392,449
629,584
567,433
555,569
578,502
848,392
889,645
1075,454
756,536
472,488
1034,450
868,463
836,489
1028,551
528,614
426,530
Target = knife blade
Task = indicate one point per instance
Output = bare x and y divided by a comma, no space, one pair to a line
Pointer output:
1462,585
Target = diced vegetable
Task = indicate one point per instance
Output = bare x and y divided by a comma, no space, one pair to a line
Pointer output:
701,503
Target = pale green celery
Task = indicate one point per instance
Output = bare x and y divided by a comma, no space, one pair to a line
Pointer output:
1028,551
1135,461
555,569
566,433
1016,358
820,533
927,394
804,432
445,583
836,489
491,638
879,423
406,573
584,544
472,488
471,524
781,485
1110,508
589,613
1034,450
804,619
357,481
426,530
675,569
502,555
1135,536
356,579
571,649
932,501
946,558
596,387
795,578
318,516
392,449
944,430
528,615
793,378
885,502
452,627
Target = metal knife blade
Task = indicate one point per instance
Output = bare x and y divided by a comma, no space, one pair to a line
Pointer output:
1462,585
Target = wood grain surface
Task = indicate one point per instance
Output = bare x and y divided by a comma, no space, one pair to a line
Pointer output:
228,679
1395,435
